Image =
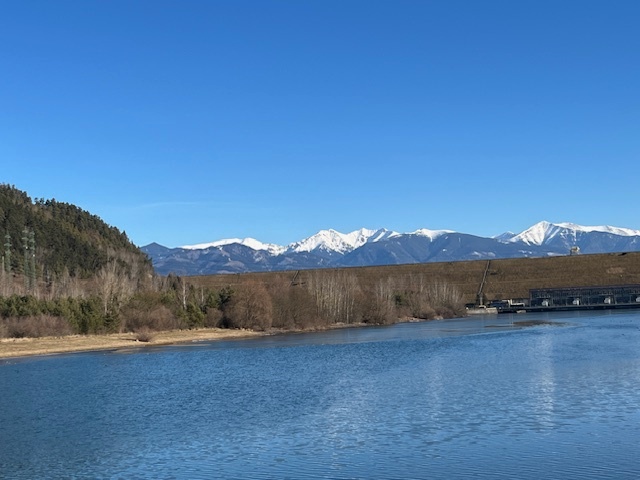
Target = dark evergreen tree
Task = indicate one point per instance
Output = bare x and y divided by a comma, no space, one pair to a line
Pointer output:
60,236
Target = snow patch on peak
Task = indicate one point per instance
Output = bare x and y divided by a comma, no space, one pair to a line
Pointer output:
382,234
431,234
623,232
358,238
364,235
247,242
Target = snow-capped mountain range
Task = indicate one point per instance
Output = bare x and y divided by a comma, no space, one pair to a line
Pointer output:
330,248
324,240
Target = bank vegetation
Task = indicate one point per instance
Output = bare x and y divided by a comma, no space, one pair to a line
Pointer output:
119,300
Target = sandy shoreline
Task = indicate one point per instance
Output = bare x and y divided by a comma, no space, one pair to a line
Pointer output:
27,347
24,347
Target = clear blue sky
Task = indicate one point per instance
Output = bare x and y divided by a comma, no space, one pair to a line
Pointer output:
188,121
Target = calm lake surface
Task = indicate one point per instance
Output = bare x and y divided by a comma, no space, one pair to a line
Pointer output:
469,398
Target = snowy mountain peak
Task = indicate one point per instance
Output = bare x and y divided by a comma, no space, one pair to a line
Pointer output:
534,235
543,232
326,239
334,241
504,237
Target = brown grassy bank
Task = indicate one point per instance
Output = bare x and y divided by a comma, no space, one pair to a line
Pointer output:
22,347
506,278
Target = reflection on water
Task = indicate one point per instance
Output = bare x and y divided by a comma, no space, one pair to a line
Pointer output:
522,396
542,387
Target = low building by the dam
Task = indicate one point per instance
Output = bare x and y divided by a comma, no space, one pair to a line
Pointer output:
573,298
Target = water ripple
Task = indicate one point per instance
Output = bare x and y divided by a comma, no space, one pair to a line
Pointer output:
443,400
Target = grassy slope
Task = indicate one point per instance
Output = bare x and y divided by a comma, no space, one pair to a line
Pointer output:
506,278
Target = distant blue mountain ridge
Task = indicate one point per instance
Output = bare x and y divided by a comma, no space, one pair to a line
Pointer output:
329,248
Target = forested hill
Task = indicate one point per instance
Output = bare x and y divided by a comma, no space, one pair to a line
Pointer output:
47,237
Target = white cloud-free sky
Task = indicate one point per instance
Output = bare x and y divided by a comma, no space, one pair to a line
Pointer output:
188,121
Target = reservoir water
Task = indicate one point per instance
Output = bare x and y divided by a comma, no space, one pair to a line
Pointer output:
525,396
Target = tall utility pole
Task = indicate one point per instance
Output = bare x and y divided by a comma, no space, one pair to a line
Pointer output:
32,259
7,253
27,262
29,270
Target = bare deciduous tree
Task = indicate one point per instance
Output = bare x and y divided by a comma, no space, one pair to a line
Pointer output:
293,306
381,308
250,307
114,286
335,294
430,298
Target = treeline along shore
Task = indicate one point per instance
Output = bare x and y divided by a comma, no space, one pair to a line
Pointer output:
120,300
497,279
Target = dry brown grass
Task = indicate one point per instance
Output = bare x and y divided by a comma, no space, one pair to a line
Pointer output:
21,347
506,278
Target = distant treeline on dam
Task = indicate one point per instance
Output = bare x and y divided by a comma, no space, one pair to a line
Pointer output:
479,280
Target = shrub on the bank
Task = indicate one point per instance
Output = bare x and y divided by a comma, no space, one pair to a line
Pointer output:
213,318
34,326
144,334
147,311
250,307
